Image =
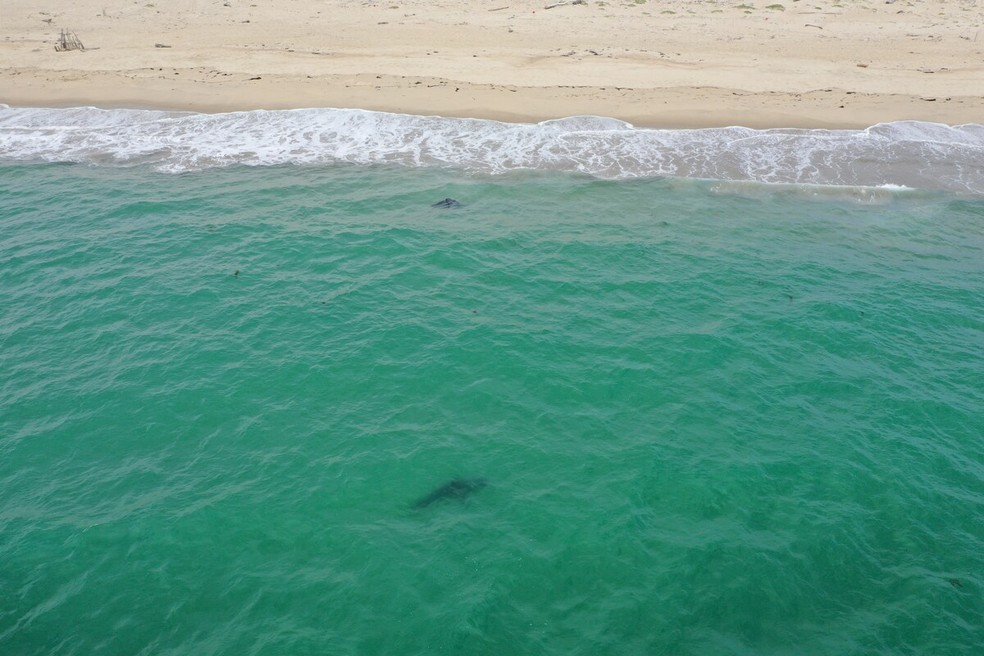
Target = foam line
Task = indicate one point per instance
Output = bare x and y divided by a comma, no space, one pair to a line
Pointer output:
903,154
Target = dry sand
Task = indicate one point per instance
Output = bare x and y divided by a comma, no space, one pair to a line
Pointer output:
666,63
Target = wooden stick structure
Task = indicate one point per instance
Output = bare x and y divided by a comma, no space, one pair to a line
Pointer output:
68,41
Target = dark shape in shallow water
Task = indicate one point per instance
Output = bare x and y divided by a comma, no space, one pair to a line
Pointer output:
447,204
458,488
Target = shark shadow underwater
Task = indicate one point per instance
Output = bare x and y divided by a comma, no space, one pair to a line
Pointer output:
459,488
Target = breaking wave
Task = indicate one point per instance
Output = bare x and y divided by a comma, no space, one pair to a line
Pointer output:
901,154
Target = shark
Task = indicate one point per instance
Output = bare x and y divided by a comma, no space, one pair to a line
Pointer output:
458,488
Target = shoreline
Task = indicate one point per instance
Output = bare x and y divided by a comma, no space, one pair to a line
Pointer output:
675,64
678,108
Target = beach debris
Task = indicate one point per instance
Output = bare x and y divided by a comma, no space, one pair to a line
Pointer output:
500,8
812,25
68,41
447,204
566,2
161,45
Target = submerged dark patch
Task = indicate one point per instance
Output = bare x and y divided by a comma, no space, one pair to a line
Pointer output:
459,488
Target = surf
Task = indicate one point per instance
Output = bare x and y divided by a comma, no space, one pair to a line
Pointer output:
909,154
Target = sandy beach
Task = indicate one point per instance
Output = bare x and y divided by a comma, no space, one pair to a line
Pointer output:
671,63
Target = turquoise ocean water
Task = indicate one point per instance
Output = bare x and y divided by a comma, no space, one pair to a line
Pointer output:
686,416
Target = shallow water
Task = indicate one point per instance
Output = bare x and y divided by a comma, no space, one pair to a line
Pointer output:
711,418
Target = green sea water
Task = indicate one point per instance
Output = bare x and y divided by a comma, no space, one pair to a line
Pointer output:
709,420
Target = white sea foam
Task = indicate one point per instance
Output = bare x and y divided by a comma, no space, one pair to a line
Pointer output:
901,154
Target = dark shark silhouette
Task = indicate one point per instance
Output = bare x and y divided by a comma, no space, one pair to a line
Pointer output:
459,488
447,204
